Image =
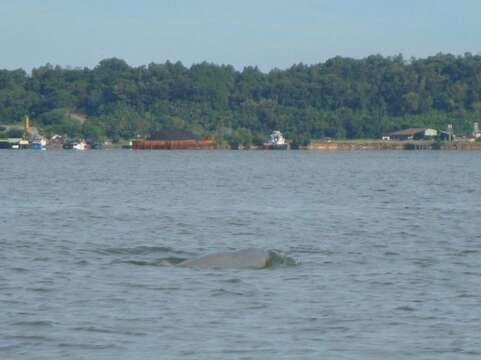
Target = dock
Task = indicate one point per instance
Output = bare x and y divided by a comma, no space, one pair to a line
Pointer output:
391,145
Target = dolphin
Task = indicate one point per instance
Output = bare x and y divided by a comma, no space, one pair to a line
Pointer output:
250,258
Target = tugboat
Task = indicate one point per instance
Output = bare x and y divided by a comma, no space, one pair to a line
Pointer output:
276,142
38,143
35,142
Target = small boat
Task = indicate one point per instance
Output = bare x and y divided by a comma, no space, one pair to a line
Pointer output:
276,142
38,143
81,145
75,145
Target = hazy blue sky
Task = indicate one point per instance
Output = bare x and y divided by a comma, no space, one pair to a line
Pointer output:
266,33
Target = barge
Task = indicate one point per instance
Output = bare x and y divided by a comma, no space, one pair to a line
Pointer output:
191,144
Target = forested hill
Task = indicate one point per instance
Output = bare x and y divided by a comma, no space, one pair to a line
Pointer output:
341,98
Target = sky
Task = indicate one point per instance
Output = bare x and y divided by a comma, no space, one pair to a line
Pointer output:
264,33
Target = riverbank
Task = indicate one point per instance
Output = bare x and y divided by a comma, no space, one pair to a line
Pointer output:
350,145
331,145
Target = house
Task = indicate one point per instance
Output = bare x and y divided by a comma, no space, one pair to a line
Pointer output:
411,134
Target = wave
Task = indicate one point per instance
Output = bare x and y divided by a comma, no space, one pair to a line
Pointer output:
35,323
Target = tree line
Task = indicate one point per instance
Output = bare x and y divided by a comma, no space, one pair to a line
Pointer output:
339,98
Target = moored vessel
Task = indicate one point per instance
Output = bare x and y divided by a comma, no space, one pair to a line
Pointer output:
276,141
75,145
38,143
190,144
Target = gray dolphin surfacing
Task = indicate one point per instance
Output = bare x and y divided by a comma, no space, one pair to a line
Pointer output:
250,258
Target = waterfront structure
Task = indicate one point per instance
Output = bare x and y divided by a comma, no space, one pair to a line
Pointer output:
10,143
26,126
445,135
411,134
476,131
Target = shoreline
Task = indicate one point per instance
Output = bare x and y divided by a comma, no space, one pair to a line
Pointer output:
334,145
392,145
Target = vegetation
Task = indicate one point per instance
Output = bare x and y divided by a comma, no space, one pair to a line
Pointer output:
341,98
11,133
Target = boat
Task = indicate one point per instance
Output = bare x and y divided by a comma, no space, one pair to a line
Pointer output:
81,145
38,143
75,145
276,141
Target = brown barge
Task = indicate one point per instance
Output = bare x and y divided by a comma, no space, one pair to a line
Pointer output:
186,144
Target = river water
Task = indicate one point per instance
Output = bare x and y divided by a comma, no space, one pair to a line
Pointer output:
387,251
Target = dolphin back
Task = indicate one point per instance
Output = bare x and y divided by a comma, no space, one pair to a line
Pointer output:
251,258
